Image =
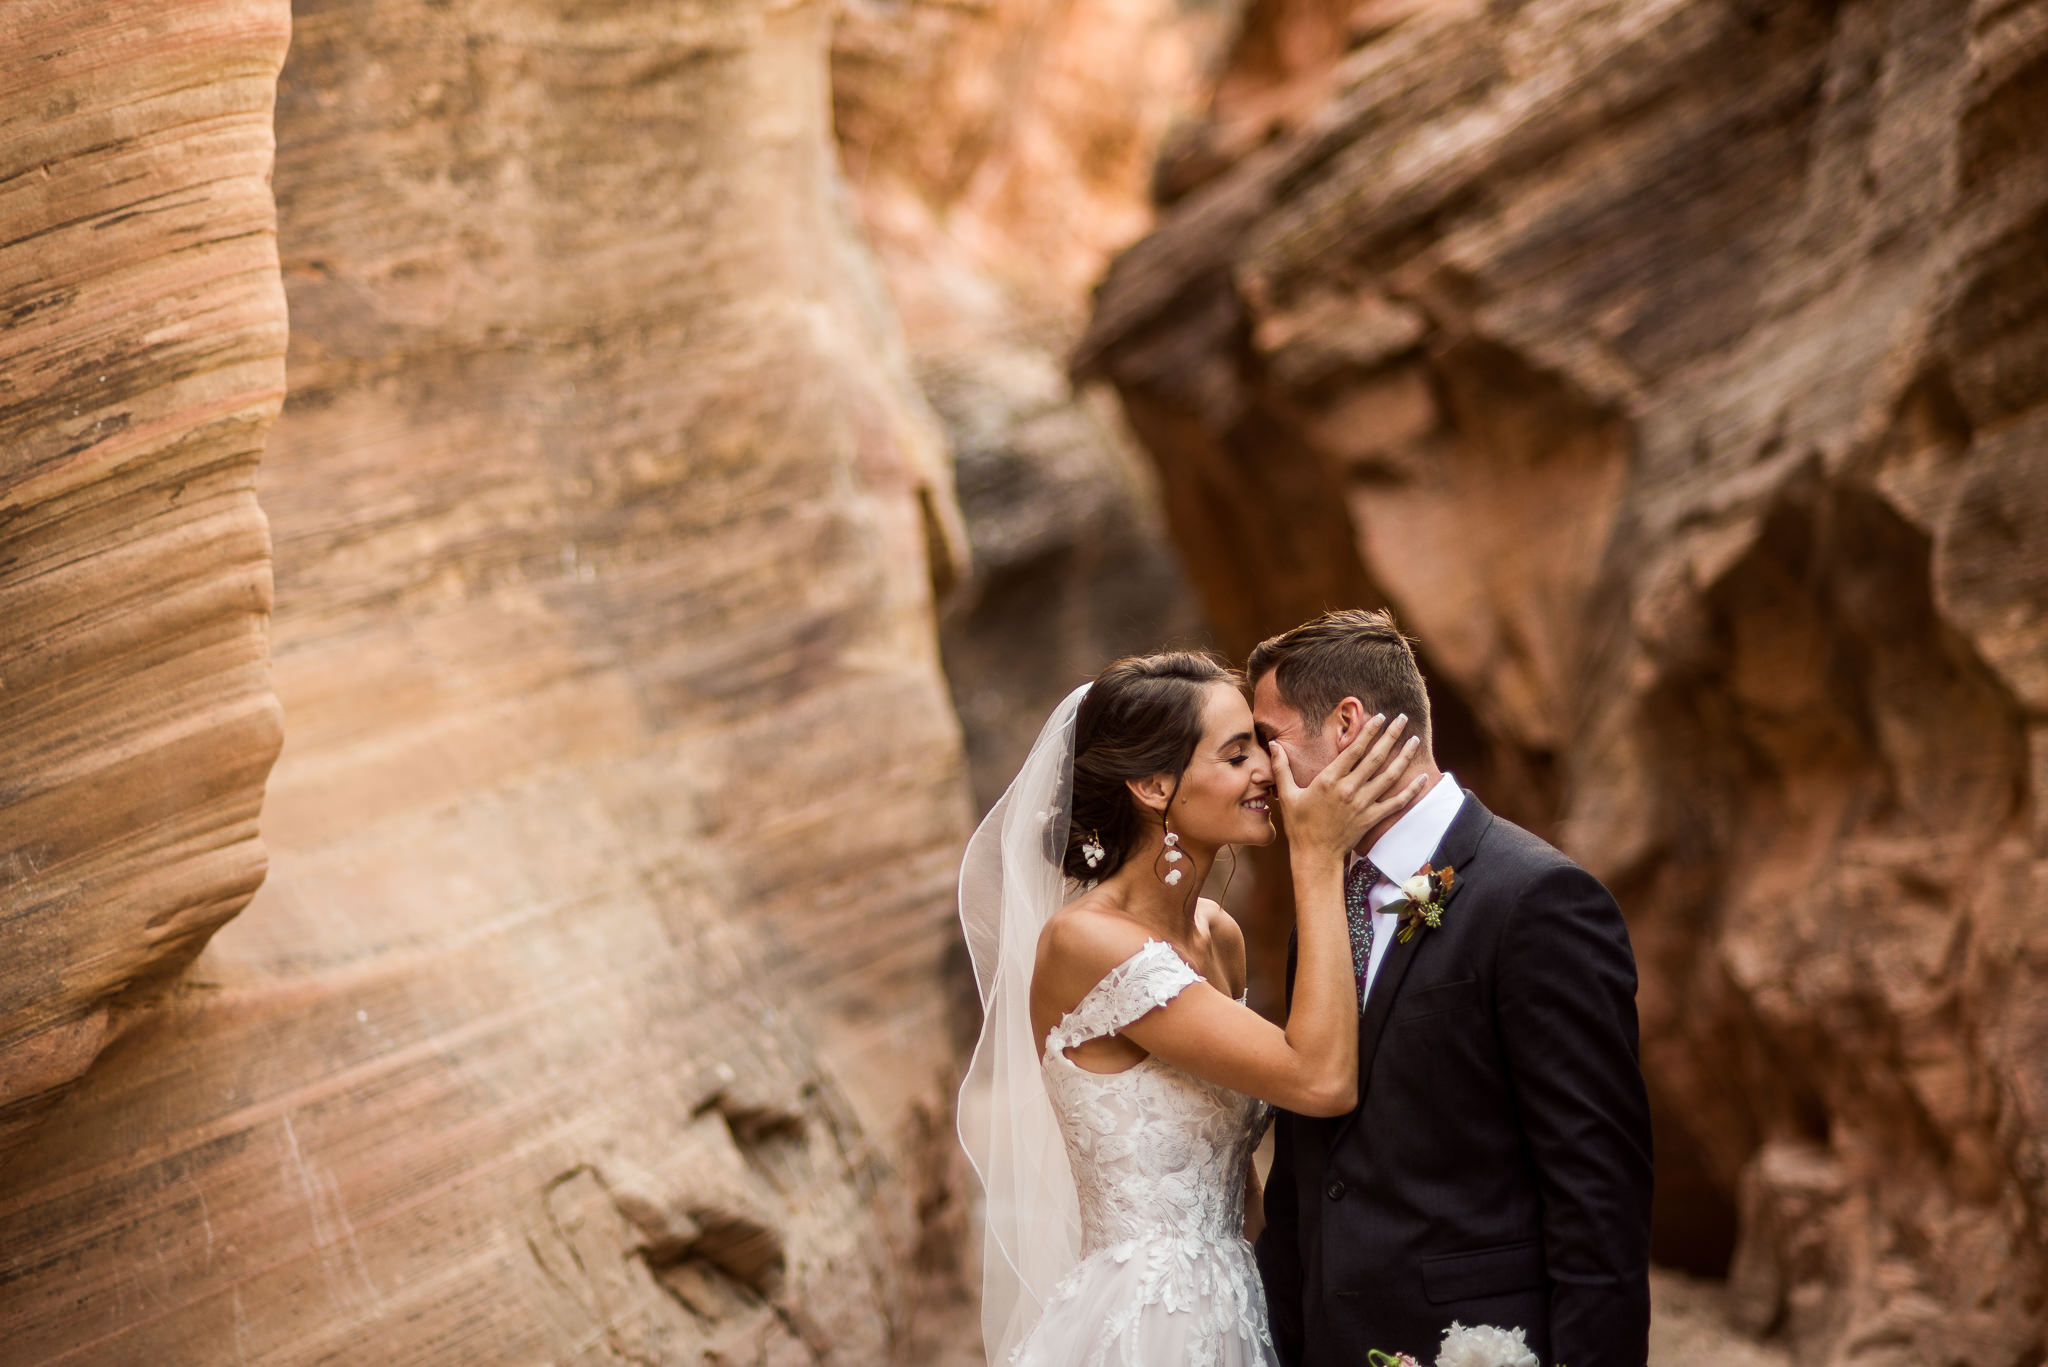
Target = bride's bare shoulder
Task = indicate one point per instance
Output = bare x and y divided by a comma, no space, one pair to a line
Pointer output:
1080,944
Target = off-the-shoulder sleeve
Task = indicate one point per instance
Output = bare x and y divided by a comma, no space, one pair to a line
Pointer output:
1151,978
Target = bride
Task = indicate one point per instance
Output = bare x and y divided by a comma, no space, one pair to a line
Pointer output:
1120,1082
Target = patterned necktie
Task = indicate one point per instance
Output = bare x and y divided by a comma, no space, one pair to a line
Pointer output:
1358,884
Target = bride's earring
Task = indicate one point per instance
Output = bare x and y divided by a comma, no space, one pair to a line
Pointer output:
1173,856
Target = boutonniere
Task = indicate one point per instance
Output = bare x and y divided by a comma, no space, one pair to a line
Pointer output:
1425,905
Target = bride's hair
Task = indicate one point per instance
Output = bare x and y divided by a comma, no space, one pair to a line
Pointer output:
1142,716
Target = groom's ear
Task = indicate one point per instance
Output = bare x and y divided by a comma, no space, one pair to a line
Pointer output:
1349,716
1153,793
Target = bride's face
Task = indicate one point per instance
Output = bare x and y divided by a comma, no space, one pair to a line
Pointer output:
1225,794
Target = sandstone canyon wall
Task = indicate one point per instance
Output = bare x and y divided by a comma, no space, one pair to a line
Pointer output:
590,1011
1679,373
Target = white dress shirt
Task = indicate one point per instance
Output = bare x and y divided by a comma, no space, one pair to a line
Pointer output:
1400,853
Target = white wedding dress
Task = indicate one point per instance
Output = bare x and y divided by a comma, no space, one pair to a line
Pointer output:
1166,1278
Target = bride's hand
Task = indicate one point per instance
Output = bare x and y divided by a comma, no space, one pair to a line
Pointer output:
1356,791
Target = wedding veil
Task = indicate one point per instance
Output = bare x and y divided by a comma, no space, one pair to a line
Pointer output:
1011,883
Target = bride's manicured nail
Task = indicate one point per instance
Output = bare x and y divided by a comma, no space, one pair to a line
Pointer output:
1378,717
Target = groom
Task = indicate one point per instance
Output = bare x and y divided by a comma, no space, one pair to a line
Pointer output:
1497,1167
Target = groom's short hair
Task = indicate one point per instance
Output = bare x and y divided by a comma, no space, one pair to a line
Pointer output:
1352,653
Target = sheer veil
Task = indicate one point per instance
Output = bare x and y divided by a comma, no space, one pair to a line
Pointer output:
1010,884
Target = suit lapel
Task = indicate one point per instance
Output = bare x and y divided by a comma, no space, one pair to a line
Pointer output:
1459,844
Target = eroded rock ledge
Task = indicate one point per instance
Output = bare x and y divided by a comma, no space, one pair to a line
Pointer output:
142,337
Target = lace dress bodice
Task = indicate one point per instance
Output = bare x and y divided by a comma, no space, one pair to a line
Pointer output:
1159,1160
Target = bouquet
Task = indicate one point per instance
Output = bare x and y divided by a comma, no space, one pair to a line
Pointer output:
1480,1346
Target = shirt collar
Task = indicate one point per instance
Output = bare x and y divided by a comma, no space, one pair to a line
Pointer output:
1411,842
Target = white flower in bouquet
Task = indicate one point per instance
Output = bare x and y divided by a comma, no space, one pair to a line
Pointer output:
1416,889
1484,1346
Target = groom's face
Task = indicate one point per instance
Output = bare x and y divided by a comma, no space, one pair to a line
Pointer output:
1308,747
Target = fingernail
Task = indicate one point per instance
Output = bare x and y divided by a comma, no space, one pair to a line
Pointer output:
1379,716
1402,717
1414,741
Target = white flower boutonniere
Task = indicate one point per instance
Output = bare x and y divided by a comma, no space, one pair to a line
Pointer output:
1425,892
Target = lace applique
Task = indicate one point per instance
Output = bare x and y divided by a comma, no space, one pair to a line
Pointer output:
1159,1158
1149,979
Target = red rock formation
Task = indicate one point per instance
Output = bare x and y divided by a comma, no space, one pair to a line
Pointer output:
590,1012
1677,372
141,362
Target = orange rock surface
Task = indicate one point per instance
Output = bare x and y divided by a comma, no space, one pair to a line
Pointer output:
1679,373
590,1012
141,363
1000,151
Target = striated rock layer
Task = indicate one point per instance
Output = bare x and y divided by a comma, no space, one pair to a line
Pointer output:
141,362
1679,373
590,1010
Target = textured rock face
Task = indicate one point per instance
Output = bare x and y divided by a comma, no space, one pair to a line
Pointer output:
1000,153
1677,373
590,1012
1009,144
141,362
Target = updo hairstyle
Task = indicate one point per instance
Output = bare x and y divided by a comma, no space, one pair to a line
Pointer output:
1142,716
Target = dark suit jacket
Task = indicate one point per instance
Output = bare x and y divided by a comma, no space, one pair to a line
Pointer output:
1497,1167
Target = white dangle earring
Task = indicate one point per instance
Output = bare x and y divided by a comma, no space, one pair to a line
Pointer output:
1173,857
